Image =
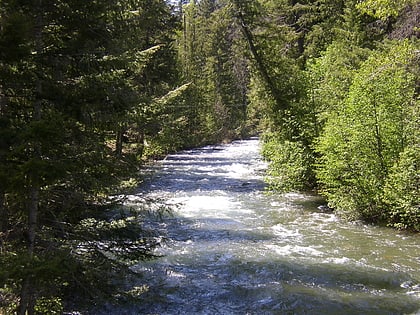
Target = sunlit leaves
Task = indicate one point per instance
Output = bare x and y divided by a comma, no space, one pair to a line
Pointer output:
382,8
363,139
290,162
331,74
402,190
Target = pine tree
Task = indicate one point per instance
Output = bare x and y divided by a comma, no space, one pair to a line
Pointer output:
76,75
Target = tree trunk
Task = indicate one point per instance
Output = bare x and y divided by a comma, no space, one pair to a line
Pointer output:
32,218
184,37
4,219
27,301
4,216
262,69
119,142
140,141
27,294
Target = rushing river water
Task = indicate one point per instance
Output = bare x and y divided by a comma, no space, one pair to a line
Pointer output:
233,249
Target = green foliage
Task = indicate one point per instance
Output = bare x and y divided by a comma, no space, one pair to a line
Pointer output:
8,300
280,94
290,164
98,249
383,8
363,139
14,36
173,124
211,57
49,306
47,272
88,89
332,74
81,85
402,191
320,23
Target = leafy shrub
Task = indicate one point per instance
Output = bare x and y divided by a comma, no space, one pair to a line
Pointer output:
363,139
290,164
402,191
49,306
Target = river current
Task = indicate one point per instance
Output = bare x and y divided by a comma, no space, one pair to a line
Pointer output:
234,249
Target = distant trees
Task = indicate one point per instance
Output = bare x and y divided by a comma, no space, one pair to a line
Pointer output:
212,60
89,89
338,102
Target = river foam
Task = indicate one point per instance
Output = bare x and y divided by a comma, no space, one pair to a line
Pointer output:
234,249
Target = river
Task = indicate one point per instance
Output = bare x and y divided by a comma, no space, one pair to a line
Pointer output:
234,249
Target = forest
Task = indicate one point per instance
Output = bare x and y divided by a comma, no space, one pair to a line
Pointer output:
91,91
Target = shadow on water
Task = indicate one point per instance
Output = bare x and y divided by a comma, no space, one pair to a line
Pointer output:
196,230
242,287
202,180
205,275
221,259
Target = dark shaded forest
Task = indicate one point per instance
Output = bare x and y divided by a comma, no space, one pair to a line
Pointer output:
91,91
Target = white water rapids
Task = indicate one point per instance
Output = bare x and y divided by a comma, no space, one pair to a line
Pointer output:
233,249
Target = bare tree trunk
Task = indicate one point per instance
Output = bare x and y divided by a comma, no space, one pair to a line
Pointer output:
262,69
4,218
119,141
3,148
32,218
27,295
140,141
184,36
27,298
3,214
27,301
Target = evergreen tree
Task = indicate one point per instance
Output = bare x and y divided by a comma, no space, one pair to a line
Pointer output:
211,59
76,77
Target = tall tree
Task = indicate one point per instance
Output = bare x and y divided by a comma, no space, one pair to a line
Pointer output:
74,75
364,139
211,58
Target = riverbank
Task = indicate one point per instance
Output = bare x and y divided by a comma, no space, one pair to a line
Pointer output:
233,249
